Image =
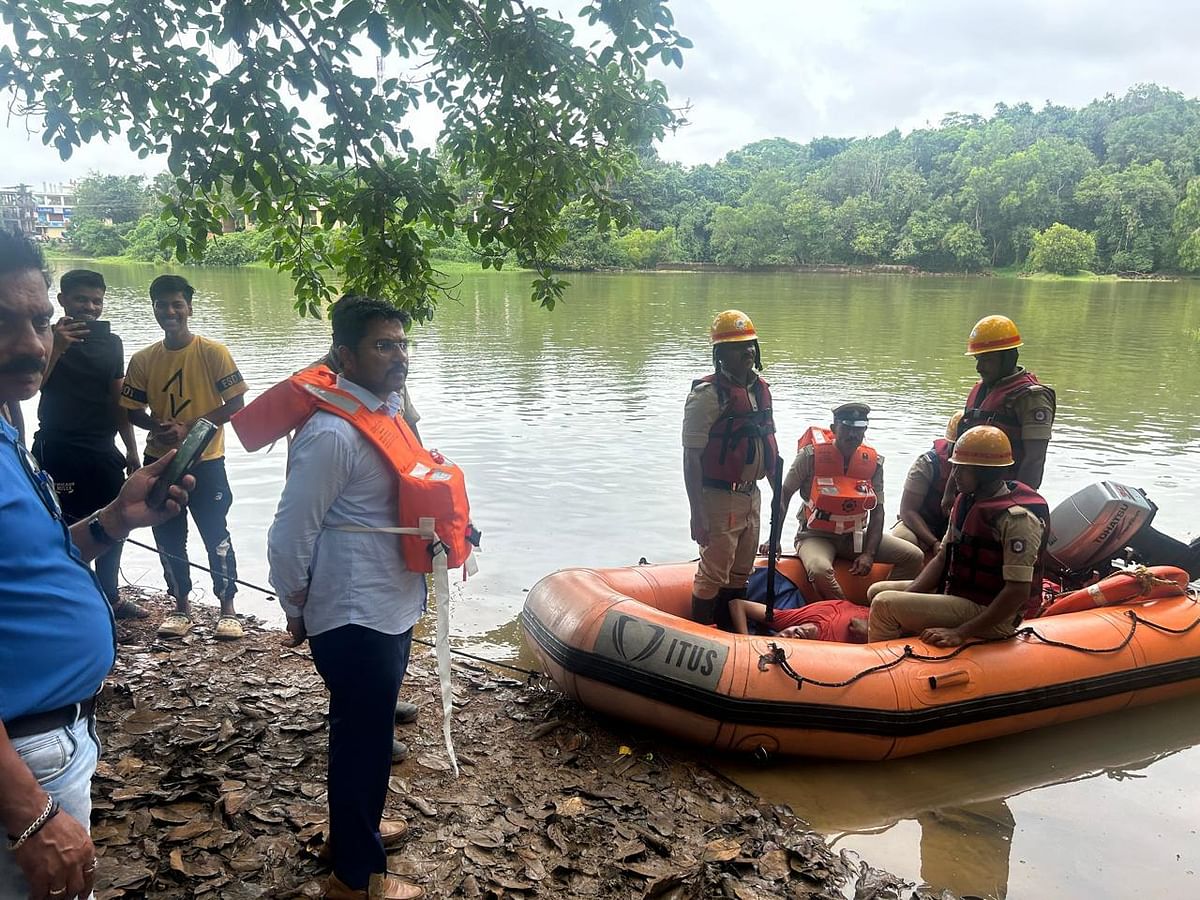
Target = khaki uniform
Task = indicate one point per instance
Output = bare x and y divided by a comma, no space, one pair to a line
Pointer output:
1034,410
818,549
919,480
896,612
732,517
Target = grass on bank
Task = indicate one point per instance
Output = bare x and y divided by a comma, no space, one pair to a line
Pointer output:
445,266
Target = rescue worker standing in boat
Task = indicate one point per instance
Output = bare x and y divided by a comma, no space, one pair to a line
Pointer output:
924,513
728,445
1009,397
989,567
826,534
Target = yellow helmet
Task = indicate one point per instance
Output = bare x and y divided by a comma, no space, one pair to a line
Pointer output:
992,333
983,445
952,427
732,325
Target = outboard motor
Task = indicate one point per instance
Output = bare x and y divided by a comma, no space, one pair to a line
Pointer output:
1108,520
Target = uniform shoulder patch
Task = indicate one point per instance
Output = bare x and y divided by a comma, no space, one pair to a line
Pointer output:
1016,545
1041,415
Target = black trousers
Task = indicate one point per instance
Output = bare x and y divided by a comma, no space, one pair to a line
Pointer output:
86,479
362,669
208,504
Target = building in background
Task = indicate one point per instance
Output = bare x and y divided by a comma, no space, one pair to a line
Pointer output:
45,214
53,210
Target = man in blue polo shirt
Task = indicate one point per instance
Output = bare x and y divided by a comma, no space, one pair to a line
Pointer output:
57,638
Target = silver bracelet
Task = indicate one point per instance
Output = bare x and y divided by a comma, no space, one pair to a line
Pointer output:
36,826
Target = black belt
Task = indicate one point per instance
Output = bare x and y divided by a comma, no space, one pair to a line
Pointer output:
40,723
737,487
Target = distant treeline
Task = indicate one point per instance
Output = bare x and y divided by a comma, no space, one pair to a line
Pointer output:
1111,187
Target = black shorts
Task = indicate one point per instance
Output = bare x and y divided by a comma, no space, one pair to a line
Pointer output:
85,478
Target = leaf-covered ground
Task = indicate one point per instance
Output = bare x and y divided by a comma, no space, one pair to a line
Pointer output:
212,785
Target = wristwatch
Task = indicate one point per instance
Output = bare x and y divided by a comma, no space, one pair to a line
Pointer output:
99,535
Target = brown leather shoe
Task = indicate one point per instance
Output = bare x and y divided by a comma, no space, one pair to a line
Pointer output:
392,887
382,887
393,832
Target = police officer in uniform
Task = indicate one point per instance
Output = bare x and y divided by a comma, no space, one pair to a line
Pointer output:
924,513
987,573
728,445
818,542
1009,397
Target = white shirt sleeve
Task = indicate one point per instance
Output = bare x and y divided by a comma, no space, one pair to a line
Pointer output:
320,464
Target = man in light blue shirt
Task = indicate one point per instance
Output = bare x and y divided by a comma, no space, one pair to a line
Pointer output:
57,637
349,593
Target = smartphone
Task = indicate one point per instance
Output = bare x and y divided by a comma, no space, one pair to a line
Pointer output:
188,454
99,328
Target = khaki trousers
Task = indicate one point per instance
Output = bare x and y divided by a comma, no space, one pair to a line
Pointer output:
818,554
898,613
905,533
728,559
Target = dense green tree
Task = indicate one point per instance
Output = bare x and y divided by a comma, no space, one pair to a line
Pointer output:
1063,250
748,236
147,241
808,224
214,84
114,198
646,249
965,246
865,231
92,237
1132,210
1186,228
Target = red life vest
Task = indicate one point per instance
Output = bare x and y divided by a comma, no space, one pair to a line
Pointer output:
735,437
842,496
975,570
429,486
939,470
997,408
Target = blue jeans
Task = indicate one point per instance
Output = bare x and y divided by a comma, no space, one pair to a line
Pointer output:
362,669
63,761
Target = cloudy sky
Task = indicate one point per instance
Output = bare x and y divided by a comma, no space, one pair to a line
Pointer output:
800,69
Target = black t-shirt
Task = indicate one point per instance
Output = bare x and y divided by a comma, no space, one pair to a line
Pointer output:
76,405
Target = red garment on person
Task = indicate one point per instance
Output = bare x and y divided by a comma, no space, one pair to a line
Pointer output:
832,618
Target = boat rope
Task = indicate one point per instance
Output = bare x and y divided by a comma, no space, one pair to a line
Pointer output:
777,655
528,673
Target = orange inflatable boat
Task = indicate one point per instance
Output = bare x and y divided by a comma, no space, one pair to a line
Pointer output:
618,641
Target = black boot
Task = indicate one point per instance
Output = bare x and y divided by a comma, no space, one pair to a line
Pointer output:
725,596
704,611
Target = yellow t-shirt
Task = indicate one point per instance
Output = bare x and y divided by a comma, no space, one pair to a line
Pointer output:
182,386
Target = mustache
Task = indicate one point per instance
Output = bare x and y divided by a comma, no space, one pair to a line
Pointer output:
25,365
399,370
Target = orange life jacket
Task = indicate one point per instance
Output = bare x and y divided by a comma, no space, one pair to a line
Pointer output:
429,485
842,495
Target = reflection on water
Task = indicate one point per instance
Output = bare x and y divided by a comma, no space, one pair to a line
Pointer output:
1099,808
567,424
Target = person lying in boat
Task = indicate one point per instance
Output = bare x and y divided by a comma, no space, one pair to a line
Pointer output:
989,566
924,514
842,621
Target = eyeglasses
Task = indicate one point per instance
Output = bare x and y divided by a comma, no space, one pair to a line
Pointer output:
389,348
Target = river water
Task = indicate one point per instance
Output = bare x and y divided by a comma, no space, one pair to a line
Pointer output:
567,424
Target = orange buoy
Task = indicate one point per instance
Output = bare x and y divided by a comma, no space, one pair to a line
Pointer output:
1123,587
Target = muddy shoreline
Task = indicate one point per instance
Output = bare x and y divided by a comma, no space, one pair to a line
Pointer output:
211,784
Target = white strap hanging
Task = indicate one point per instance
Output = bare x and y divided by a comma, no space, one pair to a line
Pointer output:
441,595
